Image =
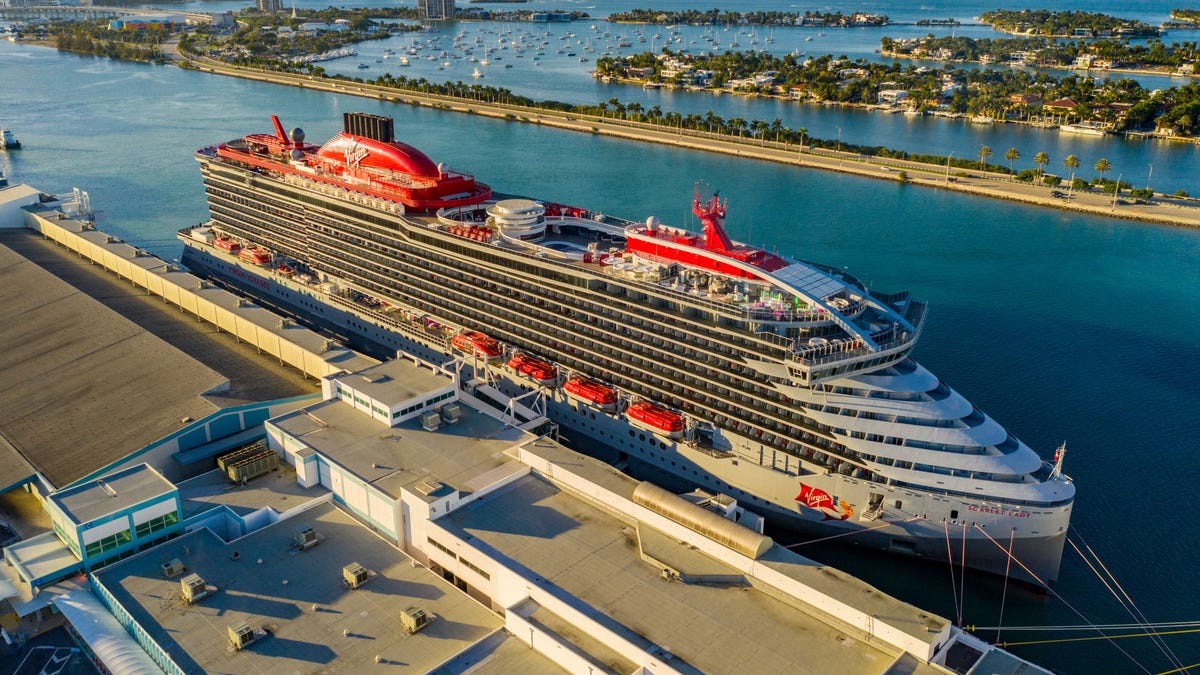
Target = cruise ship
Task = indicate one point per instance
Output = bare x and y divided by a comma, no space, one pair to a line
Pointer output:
687,356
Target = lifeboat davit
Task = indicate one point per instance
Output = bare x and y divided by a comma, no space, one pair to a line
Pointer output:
477,344
227,244
539,371
591,392
655,419
256,255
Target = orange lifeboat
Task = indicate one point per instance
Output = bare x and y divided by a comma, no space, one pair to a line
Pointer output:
227,244
655,419
255,255
477,344
285,270
539,371
591,392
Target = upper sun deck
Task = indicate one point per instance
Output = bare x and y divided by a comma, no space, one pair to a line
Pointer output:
777,291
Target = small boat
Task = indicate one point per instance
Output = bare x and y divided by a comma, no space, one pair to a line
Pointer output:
533,369
477,344
591,392
655,419
476,74
256,255
285,270
8,141
363,65
227,244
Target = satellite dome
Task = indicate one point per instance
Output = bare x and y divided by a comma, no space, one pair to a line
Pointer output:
297,154
297,135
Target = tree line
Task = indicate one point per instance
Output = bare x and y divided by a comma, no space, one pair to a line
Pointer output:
1054,23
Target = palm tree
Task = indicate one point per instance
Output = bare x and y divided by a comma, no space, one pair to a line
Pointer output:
984,153
1041,159
1012,155
1072,163
1103,166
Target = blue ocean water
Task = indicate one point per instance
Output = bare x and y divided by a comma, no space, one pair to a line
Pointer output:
1060,326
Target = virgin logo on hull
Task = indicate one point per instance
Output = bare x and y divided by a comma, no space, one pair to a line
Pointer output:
819,500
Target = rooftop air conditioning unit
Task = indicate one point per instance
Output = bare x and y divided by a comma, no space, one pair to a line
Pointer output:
193,588
305,538
413,619
241,635
431,421
355,575
451,413
172,568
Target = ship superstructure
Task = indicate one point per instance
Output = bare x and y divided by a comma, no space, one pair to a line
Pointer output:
787,384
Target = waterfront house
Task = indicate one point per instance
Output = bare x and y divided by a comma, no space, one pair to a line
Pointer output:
1027,100
1062,105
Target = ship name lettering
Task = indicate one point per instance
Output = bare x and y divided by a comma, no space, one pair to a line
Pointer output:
998,512
355,154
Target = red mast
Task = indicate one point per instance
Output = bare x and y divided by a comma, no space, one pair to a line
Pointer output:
283,137
710,214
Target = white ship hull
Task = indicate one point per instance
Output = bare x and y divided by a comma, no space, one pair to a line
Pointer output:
771,482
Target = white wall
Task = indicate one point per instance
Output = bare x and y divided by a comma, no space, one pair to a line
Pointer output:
98,532
154,511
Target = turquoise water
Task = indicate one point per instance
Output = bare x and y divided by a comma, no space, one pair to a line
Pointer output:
1165,165
1062,327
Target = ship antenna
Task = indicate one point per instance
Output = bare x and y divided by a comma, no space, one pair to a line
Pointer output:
279,128
711,213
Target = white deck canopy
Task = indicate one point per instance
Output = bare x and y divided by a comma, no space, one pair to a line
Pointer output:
104,635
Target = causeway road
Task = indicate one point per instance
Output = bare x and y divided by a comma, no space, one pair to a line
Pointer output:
1164,210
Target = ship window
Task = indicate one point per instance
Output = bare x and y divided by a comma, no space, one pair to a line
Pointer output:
899,504
954,514
641,437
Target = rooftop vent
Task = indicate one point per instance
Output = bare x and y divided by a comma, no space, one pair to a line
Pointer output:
429,486
306,538
355,575
193,589
414,619
172,568
240,636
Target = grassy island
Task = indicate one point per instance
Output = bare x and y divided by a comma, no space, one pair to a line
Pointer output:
1178,58
983,95
99,38
1049,23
